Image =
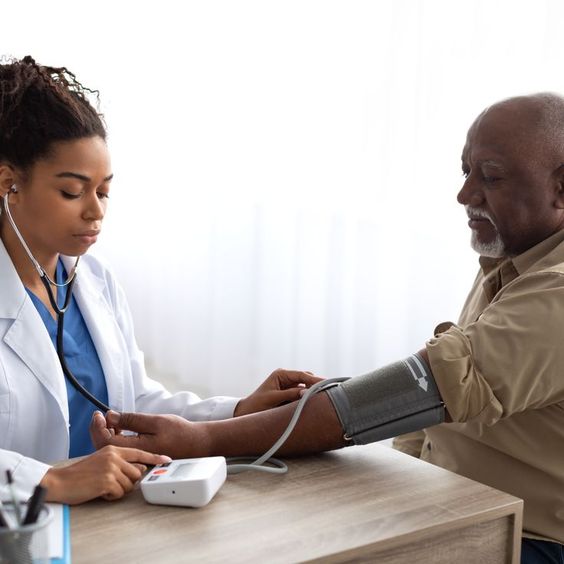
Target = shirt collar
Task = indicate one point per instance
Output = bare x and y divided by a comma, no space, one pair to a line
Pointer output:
501,271
525,261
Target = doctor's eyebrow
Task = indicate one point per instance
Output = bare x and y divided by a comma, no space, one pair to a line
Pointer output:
80,176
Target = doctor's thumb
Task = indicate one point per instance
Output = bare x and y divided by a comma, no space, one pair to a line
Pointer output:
99,432
113,418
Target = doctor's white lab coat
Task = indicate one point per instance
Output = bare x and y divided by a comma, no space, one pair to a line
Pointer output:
34,417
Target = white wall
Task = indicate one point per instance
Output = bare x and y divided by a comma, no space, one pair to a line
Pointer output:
286,172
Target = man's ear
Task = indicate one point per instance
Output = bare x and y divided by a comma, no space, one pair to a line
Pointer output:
8,178
559,193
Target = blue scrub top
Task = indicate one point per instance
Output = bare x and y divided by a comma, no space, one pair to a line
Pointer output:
82,360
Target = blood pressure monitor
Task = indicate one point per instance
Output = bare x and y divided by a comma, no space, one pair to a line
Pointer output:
190,482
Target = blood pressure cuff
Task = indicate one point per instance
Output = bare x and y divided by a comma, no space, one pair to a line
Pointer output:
396,399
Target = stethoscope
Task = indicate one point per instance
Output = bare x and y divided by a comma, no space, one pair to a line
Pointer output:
60,311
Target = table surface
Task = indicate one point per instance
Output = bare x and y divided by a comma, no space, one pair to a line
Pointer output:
342,503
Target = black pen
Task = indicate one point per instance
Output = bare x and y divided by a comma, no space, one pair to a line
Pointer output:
34,505
3,520
17,509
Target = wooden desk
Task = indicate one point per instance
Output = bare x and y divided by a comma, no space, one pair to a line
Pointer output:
361,503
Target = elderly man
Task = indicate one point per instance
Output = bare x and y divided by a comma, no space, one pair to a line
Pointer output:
490,390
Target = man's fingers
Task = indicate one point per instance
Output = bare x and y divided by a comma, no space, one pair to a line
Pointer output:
130,442
137,422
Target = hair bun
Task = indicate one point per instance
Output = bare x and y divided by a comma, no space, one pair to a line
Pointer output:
41,105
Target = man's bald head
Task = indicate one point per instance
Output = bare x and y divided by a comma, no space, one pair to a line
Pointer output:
536,120
513,163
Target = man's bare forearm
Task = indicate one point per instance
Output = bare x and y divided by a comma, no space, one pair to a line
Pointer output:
318,429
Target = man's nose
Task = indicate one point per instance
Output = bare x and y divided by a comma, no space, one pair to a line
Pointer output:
470,194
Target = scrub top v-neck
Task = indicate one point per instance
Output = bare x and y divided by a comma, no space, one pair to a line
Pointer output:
83,361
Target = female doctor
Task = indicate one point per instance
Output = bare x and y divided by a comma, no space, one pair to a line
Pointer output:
55,179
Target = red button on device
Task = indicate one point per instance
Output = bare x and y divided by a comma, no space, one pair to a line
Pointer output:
161,471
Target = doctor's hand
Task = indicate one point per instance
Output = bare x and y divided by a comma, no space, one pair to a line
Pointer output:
170,434
282,386
109,473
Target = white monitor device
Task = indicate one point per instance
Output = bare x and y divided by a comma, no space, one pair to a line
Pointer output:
190,482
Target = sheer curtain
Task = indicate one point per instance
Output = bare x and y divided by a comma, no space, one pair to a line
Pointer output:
286,172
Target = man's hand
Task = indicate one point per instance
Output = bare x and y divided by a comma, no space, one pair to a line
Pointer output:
318,429
109,473
282,386
168,434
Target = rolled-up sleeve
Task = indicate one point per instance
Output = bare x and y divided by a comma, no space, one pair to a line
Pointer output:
510,359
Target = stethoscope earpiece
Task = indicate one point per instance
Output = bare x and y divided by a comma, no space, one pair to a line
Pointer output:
14,189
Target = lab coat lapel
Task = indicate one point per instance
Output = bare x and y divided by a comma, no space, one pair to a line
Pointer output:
27,335
100,320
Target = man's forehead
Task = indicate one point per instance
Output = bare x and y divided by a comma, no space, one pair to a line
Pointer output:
503,130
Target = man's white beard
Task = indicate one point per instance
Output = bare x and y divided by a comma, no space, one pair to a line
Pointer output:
493,249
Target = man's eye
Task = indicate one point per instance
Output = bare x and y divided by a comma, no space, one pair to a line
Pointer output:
103,196
491,179
69,195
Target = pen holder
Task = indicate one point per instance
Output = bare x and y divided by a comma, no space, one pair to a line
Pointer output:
28,544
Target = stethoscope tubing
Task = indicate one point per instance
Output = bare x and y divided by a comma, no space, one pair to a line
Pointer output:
60,312
35,262
60,346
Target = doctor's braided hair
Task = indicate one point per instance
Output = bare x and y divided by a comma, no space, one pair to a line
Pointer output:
40,105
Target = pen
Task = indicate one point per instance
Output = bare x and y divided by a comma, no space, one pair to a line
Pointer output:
17,510
3,520
34,505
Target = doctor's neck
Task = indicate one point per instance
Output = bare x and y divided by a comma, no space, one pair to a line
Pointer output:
24,267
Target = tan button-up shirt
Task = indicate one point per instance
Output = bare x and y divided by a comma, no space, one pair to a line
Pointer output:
500,372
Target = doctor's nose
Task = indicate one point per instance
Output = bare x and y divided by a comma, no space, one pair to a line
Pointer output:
95,209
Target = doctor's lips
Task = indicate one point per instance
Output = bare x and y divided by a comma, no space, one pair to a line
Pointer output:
88,237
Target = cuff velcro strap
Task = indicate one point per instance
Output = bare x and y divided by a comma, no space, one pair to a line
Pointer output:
396,399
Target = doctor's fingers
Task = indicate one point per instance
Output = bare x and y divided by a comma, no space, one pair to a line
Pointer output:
99,422
99,432
291,378
111,482
139,456
124,458
117,486
281,397
121,477
103,436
